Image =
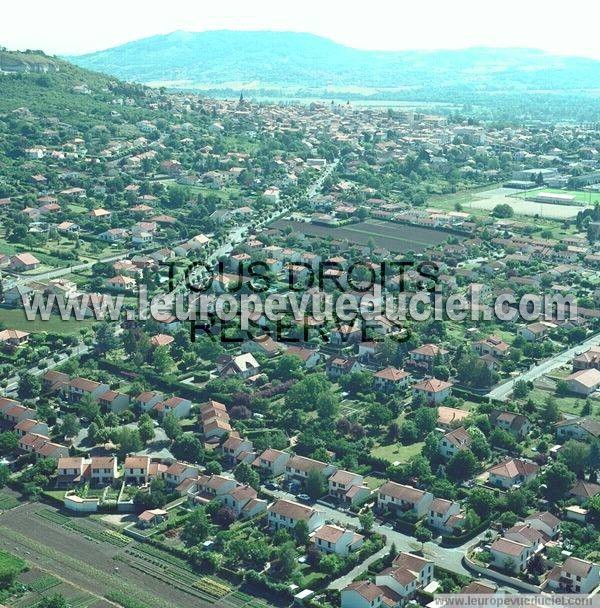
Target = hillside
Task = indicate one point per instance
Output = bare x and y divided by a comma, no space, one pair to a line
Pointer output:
50,86
304,62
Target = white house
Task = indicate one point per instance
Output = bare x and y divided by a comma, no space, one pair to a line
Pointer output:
286,514
333,539
397,497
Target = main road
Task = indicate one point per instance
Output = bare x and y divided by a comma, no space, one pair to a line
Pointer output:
502,391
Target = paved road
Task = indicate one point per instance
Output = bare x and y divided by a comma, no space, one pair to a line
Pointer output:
504,390
445,557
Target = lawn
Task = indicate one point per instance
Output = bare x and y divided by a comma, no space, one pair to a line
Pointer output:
567,405
14,318
396,452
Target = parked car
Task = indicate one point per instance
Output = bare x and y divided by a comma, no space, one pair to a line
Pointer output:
303,497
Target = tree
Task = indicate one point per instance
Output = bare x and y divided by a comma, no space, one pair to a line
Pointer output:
196,528
482,501
315,484
472,520
575,455
4,475
9,442
70,425
30,386
224,517
286,557
520,389
423,534
162,361
550,412
425,420
129,441
557,480
188,447
301,532
366,519
245,474
88,407
331,564
171,426
105,338
503,211
479,444
463,465
54,601
146,428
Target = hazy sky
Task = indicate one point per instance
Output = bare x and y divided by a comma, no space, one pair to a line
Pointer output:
78,26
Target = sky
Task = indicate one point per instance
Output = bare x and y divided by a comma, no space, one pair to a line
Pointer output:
79,26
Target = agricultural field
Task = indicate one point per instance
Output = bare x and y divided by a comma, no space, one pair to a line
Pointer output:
397,238
104,565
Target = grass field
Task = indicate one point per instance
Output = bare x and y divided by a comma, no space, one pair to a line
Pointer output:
396,452
567,405
398,238
14,318
582,197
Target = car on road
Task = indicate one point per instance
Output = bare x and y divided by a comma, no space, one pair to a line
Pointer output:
271,486
303,497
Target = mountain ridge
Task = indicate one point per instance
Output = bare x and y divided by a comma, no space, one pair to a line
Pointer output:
307,61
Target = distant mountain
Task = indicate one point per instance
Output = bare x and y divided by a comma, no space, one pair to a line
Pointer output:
300,62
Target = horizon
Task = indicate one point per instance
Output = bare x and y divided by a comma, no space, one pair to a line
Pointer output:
461,26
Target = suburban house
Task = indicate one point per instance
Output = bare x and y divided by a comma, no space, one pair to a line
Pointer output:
244,365
22,262
401,581
238,449
338,366
390,378
286,514
511,472
534,332
491,346
348,487
510,555
428,354
78,387
178,406
544,522
444,515
590,359
333,539
214,419
397,497
364,594
152,517
433,390
584,381
298,468
574,576
177,472
70,471
450,417
516,424
103,470
578,428
243,501
13,338
454,441
30,425
148,399
272,463
114,401
310,357
137,470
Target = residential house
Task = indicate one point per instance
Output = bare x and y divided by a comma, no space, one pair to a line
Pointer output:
272,462
492,346
574,576
442,515
578,428
584,382
177,472
433,390
333,539
114,401
103,470
137,470
391,378
286,514
512,472
454,441
428,354
516,424
310,357
69,471
22,262
544,522
510,555
244,365
178,406
339,366
393,496
298,468
152,517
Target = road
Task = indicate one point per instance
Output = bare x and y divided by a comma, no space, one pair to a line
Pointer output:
449,558
503,391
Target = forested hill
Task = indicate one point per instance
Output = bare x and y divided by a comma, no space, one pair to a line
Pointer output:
304,61
49,86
